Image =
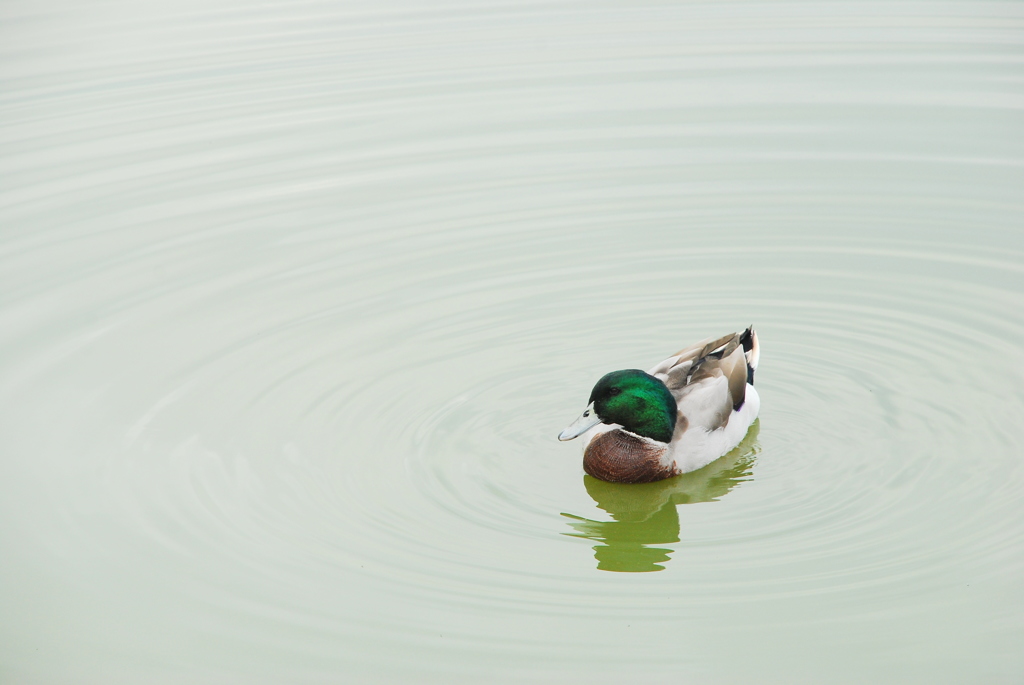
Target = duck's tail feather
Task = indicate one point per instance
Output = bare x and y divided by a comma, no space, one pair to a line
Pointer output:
751,350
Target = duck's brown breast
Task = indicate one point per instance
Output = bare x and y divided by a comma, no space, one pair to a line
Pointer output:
621,457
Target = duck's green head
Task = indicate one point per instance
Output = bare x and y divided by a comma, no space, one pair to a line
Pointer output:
637,401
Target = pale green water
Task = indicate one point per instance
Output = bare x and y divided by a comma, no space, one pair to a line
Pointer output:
295,297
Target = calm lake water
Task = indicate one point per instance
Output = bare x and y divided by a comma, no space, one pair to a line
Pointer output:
295,297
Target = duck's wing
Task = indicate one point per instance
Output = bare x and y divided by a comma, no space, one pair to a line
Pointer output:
709,379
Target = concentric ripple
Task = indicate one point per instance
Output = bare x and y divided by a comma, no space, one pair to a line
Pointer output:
294,300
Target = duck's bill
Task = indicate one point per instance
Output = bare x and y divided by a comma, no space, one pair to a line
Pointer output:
587,420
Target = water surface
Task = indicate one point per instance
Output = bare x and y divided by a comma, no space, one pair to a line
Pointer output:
294,299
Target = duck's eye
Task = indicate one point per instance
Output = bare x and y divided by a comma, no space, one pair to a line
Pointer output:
614,391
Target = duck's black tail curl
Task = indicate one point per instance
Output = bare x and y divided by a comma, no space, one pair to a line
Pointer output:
751,350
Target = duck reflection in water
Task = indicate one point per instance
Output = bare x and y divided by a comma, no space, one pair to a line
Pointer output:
645,514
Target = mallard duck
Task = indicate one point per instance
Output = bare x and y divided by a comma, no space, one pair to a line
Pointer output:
680,415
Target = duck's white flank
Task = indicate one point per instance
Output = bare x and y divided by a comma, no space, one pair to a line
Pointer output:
698,447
